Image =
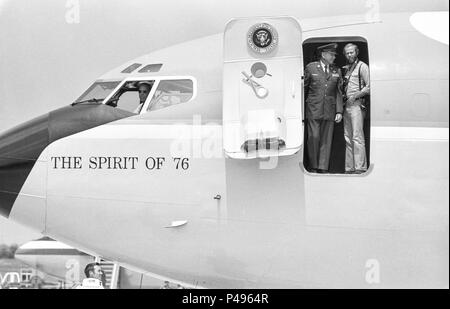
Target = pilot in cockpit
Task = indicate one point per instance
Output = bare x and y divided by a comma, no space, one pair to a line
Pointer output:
144,90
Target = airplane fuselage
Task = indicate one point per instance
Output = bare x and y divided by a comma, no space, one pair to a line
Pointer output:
155,192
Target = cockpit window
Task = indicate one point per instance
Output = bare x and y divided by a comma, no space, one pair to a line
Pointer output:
132,95
131,68
171,92
151,68
98,91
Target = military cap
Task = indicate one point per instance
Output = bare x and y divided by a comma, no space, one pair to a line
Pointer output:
329,48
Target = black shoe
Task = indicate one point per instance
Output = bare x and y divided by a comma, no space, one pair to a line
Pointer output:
349,172
320,171
360,171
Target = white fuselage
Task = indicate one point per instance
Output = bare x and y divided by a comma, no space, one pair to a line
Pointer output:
270,227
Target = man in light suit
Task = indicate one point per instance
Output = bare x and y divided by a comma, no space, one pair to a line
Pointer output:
356,89
323,81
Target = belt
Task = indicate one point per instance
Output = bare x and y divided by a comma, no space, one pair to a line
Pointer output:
357,102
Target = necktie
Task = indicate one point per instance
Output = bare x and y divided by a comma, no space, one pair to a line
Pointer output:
326,70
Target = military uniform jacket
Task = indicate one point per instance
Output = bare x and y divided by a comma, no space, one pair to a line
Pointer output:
323,92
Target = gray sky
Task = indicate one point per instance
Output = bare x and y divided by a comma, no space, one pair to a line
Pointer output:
46,62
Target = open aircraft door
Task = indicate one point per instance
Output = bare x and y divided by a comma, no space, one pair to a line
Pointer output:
262,92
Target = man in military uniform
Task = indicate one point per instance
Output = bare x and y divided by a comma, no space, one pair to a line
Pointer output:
323,81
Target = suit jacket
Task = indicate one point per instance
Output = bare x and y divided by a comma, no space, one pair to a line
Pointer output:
323,92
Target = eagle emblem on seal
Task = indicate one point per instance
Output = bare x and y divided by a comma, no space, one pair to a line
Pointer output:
262,38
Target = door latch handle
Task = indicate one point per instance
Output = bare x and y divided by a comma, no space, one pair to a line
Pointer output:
260,91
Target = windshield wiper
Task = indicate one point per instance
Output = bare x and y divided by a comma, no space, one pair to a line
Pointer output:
93,100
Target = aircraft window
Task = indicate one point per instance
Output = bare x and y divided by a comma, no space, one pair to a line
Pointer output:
131,68
99,90
129,101
151,68
132,95
26,275
171,92
345,148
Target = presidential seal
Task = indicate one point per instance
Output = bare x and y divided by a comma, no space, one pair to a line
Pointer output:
262,38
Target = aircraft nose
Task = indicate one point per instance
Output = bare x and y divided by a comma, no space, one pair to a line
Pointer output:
20,147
